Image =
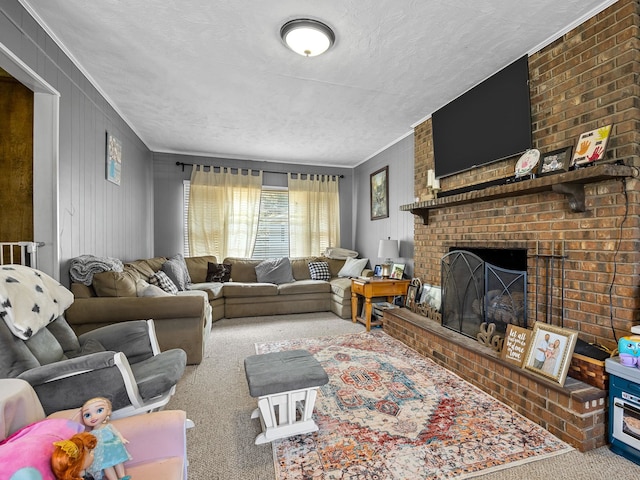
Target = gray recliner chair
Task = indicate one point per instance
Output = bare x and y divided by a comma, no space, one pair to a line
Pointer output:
121,362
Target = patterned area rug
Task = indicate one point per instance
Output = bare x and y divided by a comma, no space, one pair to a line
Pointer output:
390,413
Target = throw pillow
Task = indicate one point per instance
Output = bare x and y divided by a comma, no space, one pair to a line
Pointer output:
176,270
353,267
160,279
218,272
145,289
319,271
275,270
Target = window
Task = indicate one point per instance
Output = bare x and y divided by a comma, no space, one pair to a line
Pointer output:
272,240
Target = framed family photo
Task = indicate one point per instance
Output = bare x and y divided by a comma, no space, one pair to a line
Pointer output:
380,193
550,351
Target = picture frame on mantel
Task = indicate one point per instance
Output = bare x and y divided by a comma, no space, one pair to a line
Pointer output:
556,161
591,146
550,351
113,159
379,193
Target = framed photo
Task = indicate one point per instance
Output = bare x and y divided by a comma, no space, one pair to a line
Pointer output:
550,351
397,271
379,183
591,146
114,159
556,161
377,271
410,299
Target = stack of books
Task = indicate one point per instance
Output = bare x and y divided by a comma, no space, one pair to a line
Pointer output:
379,308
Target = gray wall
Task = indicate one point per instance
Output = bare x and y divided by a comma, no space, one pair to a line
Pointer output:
399,226
168,181
95,216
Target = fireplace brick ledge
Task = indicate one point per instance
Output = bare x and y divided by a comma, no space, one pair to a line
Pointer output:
575,412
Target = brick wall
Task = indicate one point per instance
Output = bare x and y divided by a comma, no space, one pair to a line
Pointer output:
586,79
575,413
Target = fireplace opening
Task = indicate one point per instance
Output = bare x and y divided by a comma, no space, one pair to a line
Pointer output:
484,286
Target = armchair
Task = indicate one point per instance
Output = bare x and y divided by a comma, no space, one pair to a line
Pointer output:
122,362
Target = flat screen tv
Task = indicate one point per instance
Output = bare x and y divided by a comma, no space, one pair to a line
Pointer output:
490,122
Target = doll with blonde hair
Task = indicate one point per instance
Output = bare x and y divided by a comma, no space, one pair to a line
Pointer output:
110,452
71,458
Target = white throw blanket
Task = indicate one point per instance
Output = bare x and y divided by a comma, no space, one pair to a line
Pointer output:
30,299
83,267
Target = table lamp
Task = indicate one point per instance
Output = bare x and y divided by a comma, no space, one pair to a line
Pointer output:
387,249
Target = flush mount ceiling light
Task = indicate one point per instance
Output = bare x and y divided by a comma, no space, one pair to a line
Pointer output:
307,37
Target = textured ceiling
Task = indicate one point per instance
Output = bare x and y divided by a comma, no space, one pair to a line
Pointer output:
213,78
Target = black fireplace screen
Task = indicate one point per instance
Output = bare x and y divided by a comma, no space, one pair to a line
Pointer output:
475,291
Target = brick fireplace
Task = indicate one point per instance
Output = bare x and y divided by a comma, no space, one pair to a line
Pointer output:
587,219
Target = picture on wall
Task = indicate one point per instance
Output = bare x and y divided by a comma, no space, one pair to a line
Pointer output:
114,159
550,351
591,146
380,193
556,161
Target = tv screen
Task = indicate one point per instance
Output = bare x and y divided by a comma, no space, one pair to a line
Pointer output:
490,122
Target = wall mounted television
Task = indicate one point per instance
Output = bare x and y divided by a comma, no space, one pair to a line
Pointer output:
490,122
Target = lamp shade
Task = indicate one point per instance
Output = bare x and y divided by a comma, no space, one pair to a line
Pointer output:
388,249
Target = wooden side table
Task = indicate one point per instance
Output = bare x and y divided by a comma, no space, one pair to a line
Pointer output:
374,287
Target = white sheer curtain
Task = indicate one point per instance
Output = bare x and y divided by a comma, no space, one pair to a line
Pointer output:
223,212
314,214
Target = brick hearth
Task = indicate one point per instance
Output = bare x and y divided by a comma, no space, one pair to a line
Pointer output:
575,413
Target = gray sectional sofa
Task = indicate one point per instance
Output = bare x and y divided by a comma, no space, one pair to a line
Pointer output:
184,320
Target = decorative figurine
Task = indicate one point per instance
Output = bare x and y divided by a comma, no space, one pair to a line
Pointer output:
110,452
71,458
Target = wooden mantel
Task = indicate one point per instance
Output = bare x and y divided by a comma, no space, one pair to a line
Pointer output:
570,184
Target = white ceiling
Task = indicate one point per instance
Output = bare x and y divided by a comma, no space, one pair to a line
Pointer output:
211,77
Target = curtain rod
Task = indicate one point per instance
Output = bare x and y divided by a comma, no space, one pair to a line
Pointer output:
183,164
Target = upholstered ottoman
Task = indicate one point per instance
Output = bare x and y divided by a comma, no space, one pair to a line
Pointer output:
286,385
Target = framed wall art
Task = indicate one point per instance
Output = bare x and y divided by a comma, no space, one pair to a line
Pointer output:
379,184
550,351
557,161
591,146
114,159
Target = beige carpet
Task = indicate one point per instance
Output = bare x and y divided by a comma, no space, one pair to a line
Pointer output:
215,396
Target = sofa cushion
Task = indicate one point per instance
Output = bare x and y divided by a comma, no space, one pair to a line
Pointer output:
341,286
115,284
274,270
244,269
319,271
142,267
353,267
300,267
161,280
155,263
234,289
335,265
197,267
214,290
304,286
218,272
176,270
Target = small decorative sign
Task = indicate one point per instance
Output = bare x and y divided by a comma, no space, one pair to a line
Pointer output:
591,146
516,341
